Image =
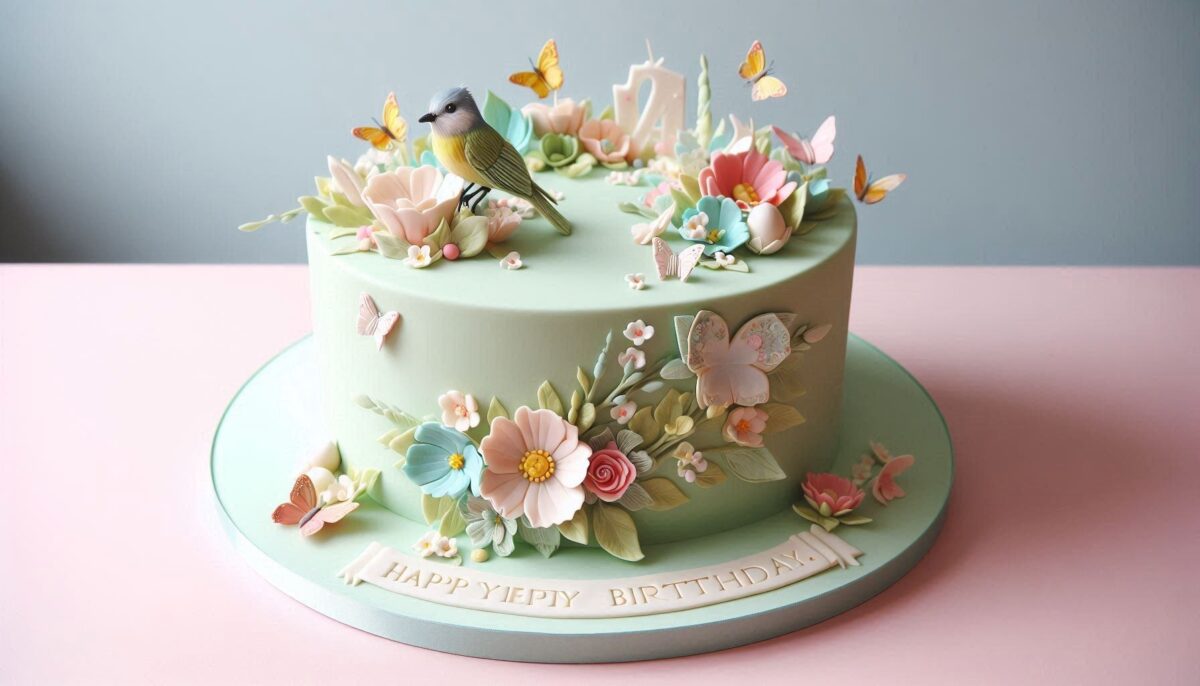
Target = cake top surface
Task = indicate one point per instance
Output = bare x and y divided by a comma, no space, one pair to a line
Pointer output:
587,270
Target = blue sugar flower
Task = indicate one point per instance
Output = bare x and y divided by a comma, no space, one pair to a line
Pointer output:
717,223
512,124
443,462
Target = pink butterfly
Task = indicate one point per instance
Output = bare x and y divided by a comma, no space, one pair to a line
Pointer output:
669,264
371,323
816,151
305,509
733,371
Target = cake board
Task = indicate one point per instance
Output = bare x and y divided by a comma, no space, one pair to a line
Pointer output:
274,420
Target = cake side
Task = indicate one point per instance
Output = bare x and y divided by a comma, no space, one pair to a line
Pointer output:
491,333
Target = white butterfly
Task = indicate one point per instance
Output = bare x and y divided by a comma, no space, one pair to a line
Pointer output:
818,150
669,264
371,323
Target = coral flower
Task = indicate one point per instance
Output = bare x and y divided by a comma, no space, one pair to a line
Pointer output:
830,494
605,140
884,487
535,467
609,473
412,201
749,178
744,426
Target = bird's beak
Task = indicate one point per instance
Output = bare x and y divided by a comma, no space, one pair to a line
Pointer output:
427,118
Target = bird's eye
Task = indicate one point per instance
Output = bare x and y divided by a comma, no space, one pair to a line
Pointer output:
450,108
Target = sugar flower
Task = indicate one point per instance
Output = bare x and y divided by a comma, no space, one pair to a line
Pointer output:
562,117
748,177
884,487
831,495
486,527
521,206
609,473
559,150
744,426
459,411
512,261
433,543
724,260
625,178
419,256
860,472
639,332
327,456
689,462
695,227
535,467
443,462
412,201
502,221
375,161
631,354
607,142
636,281
721,229
623,410
652,196
347,181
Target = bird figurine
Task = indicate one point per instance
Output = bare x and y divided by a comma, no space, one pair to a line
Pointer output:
468,146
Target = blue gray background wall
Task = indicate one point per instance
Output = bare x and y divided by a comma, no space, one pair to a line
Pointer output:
1033,132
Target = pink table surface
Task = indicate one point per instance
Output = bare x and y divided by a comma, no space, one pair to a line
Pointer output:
1070,554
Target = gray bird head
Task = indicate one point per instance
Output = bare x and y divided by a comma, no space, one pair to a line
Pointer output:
452,112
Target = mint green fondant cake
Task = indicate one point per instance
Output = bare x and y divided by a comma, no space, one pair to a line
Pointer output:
554,327
475,327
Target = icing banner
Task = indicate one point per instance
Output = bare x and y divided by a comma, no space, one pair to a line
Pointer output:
799,557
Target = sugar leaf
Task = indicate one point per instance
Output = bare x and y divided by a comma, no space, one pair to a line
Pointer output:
664,494
616,532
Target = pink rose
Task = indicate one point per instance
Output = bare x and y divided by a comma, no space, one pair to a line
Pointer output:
609,473
830,494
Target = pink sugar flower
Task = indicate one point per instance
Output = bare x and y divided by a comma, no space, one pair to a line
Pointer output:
749,178
744,426
884,487
831,495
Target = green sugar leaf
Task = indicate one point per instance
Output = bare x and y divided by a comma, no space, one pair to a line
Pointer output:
548,399
754,465
616,532
781,417
577,528
664,494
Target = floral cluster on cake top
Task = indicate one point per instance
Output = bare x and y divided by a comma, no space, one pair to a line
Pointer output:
720,188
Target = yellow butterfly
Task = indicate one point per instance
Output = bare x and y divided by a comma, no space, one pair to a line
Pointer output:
393,128
869,191
756,72
546,75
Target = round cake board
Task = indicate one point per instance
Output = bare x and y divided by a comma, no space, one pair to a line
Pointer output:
274,421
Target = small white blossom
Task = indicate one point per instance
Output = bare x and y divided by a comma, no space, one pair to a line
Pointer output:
512,261
636,281
639,332
418,257
631,354
623,410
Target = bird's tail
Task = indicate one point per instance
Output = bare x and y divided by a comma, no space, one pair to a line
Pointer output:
544,204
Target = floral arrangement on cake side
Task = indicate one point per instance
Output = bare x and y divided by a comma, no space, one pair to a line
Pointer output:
574,469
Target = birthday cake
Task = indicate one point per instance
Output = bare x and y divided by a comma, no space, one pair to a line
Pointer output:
580,323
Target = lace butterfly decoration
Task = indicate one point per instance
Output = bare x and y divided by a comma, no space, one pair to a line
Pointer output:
372,323
678,265
304,509
733,371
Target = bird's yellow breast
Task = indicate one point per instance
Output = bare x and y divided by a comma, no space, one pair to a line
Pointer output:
451,152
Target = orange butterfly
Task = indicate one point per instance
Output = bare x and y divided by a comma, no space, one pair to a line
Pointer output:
393,129
546,75
304,509
869,191
756,72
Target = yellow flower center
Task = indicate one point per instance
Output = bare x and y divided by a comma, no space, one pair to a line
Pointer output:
457,461
714,235
746,193
537,466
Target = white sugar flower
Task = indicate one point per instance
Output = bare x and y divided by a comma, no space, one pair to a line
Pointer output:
697,226
444,546
689,462
512,261
623,410
459,411
639,332
425,546
636,281
631,354
724,260
418,257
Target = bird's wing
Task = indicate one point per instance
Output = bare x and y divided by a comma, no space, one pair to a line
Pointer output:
498,161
